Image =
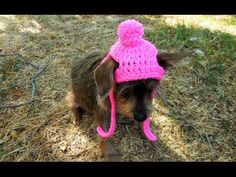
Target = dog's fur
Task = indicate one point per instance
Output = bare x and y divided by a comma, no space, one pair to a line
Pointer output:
91,82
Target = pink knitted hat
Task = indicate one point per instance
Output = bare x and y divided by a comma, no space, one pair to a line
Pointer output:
137,60
136,56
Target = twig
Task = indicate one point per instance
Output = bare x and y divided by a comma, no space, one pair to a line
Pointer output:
212,159
18,149
195,130
22,58
189,123
163,97
34,149
160,111
33,81
126,154
85,150
17,105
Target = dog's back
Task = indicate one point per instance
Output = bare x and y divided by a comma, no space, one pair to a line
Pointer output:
83,83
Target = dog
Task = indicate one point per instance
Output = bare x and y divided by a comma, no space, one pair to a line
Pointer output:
91,82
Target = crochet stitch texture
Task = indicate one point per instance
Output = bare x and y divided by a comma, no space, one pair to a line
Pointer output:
135,55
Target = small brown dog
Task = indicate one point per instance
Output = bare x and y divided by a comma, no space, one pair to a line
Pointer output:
91,82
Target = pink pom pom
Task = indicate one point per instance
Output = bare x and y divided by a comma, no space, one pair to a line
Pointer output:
130,32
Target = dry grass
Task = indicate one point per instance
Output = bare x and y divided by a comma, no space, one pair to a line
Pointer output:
197,123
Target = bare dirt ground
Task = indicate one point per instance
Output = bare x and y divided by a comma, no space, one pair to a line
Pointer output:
197,122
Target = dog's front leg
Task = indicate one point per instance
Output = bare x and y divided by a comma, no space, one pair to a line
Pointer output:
108,151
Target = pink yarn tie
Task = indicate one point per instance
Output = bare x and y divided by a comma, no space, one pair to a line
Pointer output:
112,128
147,131
144,125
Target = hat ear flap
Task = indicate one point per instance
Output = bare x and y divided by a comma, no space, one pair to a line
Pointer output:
104,77
168,60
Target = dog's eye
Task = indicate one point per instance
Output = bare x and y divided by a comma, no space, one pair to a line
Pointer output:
125,93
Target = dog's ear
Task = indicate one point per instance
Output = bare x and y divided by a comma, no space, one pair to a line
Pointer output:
167,60
104,77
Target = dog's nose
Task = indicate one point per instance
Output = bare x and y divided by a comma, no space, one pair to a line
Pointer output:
140,117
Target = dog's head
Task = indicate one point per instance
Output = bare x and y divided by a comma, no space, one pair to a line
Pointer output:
133,99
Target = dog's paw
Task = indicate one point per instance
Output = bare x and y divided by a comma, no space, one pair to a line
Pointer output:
113,156
110,154
75,120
